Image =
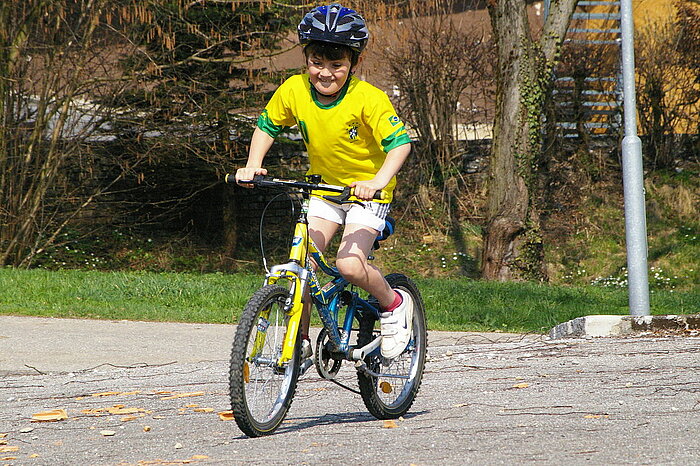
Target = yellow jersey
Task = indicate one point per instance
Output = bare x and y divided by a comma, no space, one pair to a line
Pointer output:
347,140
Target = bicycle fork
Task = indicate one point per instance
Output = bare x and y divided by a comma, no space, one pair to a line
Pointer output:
293,306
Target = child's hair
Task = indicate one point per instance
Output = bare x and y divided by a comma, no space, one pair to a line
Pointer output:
331,51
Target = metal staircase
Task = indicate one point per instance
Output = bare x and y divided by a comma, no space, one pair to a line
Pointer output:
588,88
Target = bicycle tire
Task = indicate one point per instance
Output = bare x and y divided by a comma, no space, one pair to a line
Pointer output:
391,398
260,392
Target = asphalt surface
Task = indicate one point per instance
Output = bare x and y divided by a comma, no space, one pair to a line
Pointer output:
151,393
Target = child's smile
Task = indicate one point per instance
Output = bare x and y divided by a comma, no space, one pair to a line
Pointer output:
328,76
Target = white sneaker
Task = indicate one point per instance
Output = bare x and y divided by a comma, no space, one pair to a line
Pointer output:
306,350
396,327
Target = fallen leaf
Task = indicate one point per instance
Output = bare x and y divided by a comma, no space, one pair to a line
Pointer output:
9,449
122,410
199,457
95,412
192,406
203,410
428,239
34,455
105,394
226,415
50,416
131,418
178,446
390,424
182,395
107,433
146,428
26,430
3,435
8,458
521,385
595,416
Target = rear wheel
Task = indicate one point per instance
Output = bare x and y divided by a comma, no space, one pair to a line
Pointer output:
391,394
260,390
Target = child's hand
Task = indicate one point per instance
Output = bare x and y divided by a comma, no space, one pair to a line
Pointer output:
365,189
247,174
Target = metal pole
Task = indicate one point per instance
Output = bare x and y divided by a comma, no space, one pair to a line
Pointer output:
633,176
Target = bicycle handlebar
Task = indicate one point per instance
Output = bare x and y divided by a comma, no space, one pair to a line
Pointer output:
345,192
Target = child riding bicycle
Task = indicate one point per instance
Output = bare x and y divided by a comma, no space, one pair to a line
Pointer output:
353,138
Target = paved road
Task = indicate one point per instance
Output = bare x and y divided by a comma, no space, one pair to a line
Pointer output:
145,393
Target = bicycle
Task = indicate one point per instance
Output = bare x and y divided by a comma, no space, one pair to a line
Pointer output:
265,359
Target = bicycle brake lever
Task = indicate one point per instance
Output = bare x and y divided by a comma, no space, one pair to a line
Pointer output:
342,198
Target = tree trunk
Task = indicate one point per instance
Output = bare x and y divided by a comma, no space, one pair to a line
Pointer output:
512,240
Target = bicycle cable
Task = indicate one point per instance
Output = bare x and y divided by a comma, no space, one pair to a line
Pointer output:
262,221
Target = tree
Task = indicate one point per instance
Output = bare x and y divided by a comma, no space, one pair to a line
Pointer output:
200,80
54,103
512,239
96,92
439,68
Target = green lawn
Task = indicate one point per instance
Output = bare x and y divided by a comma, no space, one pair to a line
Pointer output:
458,304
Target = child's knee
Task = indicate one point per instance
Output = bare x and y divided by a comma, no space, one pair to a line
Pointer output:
351,268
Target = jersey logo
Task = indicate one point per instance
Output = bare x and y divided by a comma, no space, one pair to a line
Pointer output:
352,130
394,120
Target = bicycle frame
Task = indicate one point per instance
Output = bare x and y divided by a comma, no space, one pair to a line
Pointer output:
327,298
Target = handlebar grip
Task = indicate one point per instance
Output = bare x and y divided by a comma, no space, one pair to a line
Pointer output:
229,178
380,195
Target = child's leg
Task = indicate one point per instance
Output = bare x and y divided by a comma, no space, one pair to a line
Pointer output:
396,313
353,265
321,232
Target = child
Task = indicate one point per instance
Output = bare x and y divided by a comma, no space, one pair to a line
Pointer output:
353,138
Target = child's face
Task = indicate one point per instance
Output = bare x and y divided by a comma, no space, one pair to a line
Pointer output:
328,76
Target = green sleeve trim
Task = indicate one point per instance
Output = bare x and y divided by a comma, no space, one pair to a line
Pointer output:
396,139
265,124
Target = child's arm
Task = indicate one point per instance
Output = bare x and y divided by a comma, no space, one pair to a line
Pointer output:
392,164
260,143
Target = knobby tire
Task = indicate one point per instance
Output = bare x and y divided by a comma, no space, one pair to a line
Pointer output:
391,398
260,393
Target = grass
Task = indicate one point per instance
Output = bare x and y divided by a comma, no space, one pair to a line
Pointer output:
452,304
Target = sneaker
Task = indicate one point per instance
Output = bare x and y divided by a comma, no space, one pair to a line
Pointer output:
396,327
306,350
306,353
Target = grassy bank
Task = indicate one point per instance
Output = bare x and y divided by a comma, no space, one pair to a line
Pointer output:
458,304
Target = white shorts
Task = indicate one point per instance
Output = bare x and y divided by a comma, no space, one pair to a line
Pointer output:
371,215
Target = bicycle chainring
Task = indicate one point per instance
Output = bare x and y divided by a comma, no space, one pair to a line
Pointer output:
326,366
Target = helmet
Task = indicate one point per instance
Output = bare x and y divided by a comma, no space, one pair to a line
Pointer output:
334,23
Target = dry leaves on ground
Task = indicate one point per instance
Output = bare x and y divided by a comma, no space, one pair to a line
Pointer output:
50,416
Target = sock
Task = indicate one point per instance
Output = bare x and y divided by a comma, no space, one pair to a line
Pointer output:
397,302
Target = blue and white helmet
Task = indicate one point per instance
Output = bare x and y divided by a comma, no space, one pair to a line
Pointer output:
334,23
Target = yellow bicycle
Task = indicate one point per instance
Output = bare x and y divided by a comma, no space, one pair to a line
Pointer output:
266,354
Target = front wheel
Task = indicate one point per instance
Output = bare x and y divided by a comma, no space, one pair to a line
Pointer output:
261,391
391,394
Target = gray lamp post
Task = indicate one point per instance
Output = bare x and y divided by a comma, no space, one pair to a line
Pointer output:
633,176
